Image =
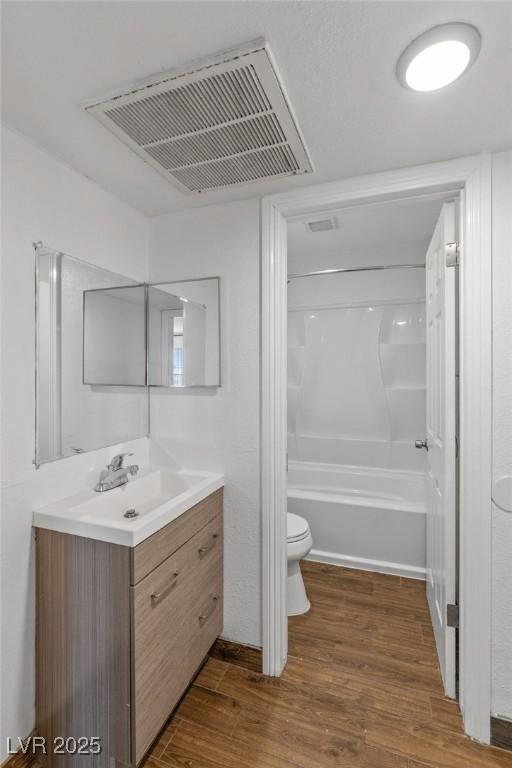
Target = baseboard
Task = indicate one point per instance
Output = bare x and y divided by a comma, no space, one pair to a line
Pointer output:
239,655
366,564
501,733
228,641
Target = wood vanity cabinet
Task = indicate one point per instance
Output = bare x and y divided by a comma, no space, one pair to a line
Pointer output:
121,633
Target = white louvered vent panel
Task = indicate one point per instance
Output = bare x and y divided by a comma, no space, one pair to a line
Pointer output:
194,107
219,124
228,140
263,164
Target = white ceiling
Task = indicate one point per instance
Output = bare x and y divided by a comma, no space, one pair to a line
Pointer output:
383,233
336,59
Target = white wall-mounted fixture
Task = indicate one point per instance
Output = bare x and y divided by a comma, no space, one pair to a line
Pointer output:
438,57
220,121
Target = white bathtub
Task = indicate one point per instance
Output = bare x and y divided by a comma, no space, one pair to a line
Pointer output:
362,517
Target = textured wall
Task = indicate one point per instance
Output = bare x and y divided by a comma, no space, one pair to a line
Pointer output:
42,200
220,428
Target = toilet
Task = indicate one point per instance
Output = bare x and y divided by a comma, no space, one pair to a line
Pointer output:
299,543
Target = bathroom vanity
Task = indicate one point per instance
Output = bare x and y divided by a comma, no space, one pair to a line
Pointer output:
129,572
127,610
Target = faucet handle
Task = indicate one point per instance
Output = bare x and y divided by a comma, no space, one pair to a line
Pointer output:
117,462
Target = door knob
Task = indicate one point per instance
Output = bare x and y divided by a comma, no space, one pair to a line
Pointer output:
421,444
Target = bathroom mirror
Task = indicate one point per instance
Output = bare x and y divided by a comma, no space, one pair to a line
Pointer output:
183,334
114,336
90,331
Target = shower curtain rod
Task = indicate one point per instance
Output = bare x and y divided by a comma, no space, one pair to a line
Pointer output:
355,269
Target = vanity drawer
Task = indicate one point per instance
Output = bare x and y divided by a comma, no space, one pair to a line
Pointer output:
154,550
177,617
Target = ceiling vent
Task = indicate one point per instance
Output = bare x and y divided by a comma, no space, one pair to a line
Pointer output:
322,225
220,122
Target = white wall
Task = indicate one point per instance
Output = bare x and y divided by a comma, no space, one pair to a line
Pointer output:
220,428
42,200
502,432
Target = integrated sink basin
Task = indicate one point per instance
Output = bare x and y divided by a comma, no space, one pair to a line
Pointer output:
129,514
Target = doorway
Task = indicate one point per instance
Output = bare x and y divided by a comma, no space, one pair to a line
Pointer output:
469,178
371,427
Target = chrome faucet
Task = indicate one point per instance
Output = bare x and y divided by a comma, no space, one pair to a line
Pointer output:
115,474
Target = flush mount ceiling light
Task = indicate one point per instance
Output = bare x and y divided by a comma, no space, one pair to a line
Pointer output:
438,57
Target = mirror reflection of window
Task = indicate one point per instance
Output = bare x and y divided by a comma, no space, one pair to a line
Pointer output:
166,347
176,356
183,334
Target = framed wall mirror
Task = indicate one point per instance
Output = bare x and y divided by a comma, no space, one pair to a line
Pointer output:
83,343
184,333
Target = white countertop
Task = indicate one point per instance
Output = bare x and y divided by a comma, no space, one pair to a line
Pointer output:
159,495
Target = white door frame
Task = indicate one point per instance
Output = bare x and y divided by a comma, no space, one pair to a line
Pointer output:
472,176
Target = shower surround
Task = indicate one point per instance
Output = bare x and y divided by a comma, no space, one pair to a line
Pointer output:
356,403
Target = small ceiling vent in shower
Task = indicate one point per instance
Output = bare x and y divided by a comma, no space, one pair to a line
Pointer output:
322,225
220,122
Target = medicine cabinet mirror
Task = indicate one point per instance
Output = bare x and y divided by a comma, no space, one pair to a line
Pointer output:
102,339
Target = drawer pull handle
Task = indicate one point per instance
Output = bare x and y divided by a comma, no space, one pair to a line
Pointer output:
206,615
156,596
202,551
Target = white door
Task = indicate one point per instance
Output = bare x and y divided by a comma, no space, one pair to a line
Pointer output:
441,426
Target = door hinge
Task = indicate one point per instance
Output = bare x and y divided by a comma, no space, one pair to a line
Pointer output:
452,253
452,615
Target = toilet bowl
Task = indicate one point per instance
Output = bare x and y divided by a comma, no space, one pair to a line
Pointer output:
299,543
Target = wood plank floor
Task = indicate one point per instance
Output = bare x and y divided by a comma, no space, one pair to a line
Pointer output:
361,690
